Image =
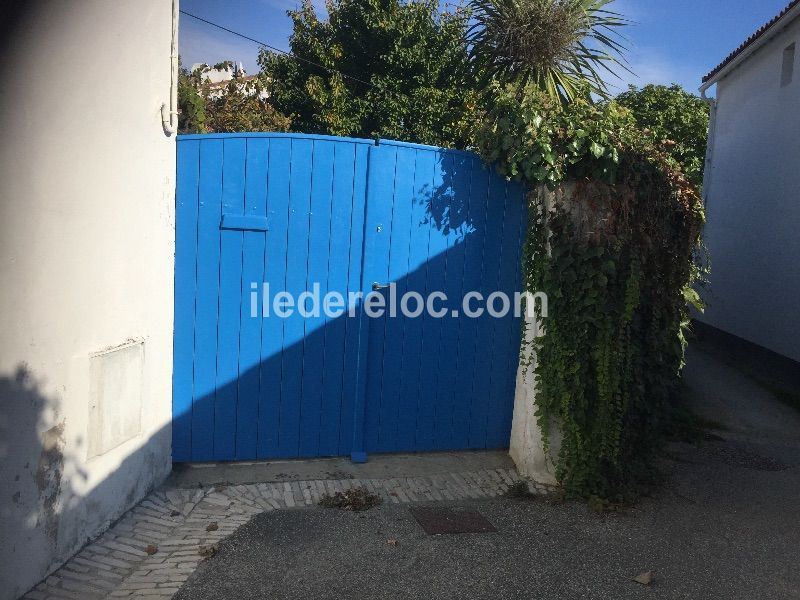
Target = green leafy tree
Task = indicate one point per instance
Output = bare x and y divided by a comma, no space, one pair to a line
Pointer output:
384,68
676,119
561,47
240,106
191,102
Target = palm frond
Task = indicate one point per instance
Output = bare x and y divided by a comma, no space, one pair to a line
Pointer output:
561,46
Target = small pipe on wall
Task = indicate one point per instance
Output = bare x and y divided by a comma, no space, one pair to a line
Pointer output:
169,114
712,118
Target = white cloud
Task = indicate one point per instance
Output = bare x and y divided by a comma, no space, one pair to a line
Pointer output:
647,63
651,66
648,67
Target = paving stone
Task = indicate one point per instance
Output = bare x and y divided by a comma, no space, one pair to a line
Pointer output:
68,595
83,588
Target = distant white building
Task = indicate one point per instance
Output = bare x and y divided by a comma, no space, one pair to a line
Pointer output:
220,76
247,84
752,188
224,71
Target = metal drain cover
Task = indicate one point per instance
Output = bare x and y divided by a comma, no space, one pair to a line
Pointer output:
438,521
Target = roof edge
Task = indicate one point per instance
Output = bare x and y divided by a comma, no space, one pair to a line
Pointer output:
749,45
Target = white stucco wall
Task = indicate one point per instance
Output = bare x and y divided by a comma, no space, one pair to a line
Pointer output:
86,264
753,202
527,444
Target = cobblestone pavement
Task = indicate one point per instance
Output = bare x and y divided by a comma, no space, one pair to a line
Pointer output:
154,547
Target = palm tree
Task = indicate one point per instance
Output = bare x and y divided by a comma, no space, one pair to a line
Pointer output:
559,46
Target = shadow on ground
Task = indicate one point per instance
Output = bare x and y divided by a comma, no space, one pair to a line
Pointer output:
723,527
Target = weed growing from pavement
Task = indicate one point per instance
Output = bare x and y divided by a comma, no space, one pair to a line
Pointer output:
520,490
355,499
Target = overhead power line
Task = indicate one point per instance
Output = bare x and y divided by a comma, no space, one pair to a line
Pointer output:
273,48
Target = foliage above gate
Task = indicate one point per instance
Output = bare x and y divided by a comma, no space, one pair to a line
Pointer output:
239,106
386,68
614,250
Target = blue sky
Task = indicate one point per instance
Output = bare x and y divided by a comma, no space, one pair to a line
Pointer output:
670,41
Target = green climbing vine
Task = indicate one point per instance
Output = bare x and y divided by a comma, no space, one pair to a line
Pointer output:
613,235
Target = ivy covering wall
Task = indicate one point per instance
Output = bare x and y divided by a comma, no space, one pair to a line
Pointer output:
614,230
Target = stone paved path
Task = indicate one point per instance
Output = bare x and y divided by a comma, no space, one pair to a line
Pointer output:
152,550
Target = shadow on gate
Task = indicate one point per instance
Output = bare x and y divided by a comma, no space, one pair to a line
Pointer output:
427,383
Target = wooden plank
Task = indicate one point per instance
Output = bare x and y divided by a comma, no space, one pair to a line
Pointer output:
351,375
474,241
486,325
296,280
432,327
314,341
338,268
269,395
186,206
409,398
498,380
243,222
381,200
458,178
516,226
255,200
392,366
377,231
206,308
230,302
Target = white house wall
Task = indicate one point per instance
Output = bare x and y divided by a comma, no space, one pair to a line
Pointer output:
753,202
86,265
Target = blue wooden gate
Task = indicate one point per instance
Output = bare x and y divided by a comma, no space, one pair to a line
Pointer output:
292,211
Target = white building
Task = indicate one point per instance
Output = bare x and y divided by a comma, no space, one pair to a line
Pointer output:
87,195
248,85
217,80
752,188
222,72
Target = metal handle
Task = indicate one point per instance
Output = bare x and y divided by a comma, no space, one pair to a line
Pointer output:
379,286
